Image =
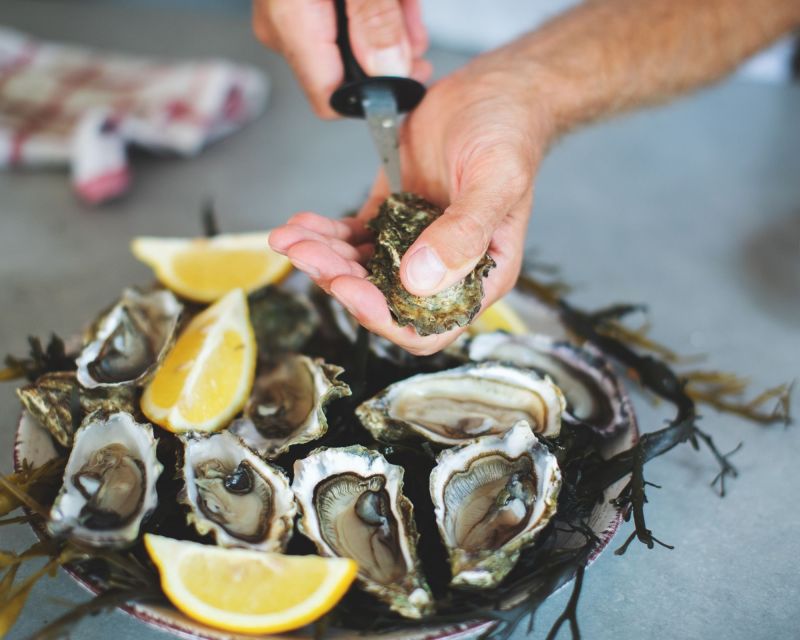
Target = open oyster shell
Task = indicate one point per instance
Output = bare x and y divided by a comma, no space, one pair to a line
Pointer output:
592,392
492,497
286,406
109,482
353,506
459,404
126,343
400,220
56,400
234,495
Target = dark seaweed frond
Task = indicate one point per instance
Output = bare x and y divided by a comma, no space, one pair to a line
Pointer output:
40,360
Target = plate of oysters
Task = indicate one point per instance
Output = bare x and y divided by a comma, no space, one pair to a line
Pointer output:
233,406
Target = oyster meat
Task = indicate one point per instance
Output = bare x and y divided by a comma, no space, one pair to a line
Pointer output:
126,343
459,404
592,392
353,506
286,406
400,220
109,482
234,495
59,402
492,497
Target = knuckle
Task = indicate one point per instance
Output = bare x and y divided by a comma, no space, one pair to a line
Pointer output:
262,24
470,235
381,21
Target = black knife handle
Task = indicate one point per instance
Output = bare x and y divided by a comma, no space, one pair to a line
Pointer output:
346,100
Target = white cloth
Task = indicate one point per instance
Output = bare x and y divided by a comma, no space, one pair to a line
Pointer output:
65,105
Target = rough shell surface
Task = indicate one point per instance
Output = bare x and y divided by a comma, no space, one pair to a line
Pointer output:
109,483
287,404
126,344
234,495
282,321
353,506
58,402
400,220
492,497
593,394
459,404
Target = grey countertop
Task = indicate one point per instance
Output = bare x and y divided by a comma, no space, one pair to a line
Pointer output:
693,208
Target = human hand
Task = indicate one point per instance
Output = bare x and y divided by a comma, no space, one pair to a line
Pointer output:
474,144
387,37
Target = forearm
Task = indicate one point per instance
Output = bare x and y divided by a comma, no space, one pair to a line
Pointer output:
605,56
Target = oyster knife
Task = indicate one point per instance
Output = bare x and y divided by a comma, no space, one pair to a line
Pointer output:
379,99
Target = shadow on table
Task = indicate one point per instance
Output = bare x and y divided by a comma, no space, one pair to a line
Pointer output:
771,264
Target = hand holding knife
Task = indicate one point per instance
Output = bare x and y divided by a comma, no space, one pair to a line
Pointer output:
379,99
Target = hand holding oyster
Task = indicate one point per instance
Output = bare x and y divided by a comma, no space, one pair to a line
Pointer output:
333,253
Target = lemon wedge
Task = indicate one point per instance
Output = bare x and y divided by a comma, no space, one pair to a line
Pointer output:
206,377
205,269
248,591
498,317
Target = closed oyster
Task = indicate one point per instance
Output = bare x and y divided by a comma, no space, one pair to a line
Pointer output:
401,219
353,507
286,406
127,342
109,482
59,402
234,495
459,404
492,497
594,397
282,321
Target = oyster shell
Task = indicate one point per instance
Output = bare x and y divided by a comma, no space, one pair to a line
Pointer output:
353,506
286,406
54,397
594,397
459,404
492,497
400,220
109,482
234,495
282,321
127,342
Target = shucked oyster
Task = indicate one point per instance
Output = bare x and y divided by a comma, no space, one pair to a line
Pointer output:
234,495
109,482
492,497
401,219
460,404
593,395
59,403
287,404
129,341
353,507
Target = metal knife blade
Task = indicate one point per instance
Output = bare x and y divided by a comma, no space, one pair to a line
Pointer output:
380,107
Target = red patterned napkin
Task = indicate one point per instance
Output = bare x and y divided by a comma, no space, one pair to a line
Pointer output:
65,105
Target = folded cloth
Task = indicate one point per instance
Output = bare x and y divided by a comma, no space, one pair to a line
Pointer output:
65,105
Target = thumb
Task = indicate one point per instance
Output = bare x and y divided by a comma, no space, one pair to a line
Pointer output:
452,245
379,37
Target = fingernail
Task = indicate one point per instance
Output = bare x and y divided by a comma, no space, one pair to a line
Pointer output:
425,270
312,271
391,61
